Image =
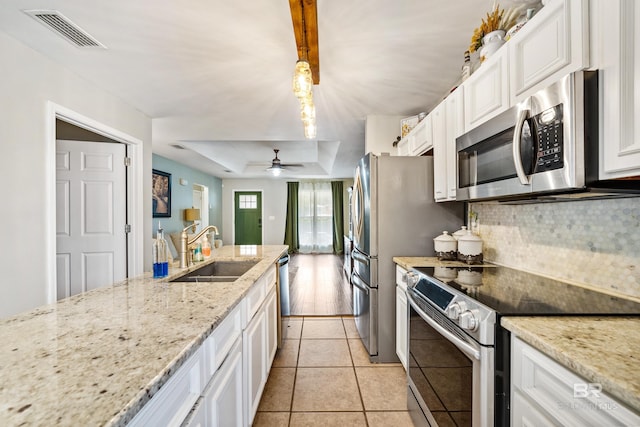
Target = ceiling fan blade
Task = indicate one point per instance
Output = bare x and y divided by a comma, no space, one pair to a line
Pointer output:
292,165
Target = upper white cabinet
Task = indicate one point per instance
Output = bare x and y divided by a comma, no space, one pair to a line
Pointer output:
486,92
421,138
439,123
448,124
455,127
615,46
552,44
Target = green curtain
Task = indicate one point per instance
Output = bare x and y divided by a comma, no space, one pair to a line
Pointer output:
338,217
291,225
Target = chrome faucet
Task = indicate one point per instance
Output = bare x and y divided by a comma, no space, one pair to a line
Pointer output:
185,261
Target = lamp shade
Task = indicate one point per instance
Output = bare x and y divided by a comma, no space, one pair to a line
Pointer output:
191,214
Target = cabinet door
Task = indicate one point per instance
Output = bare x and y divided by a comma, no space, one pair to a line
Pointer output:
486,92
271,316
552,44
223,397
616,42
403,147
420,138
439,126
401,326
455,128
253,355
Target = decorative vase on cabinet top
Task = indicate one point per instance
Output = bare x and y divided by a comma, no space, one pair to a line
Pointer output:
491,42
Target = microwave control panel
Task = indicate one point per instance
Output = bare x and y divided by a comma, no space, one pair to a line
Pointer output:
548,129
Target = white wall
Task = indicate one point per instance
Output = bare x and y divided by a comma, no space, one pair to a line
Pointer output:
380,132
27,82
274,202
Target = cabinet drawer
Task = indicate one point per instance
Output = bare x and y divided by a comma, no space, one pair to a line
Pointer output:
173,402
217,346
253,300
270,277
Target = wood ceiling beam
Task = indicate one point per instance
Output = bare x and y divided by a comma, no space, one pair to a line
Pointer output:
304,16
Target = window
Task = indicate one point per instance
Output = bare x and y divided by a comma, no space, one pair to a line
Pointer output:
248,201
315,217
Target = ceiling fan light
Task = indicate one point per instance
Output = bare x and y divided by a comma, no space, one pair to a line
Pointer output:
275,171
302,82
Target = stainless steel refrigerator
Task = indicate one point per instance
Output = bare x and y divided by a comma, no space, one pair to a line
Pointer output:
394,214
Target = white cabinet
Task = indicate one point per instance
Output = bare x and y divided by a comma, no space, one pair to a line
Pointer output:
403,148
259,343
420,137
401,316
486,92
223,397
254,350
439,126
173,402
552,44
615,43
271,313
543,392
448,124
455,127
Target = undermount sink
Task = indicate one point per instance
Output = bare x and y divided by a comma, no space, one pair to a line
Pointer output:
218,271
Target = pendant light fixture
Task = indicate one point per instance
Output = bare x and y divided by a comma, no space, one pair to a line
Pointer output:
303,12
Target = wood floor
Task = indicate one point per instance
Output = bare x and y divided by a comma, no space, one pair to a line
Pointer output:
318,286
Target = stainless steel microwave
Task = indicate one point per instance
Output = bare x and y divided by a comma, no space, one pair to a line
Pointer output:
546,144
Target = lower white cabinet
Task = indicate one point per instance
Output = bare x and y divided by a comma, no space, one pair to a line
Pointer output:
543,392
401,316
222,382
173,402
223,396
259,345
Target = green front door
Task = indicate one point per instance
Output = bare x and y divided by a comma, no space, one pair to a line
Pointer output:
248,217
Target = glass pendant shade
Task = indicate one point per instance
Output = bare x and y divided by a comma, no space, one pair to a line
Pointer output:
310,129
307,111
302,82
276,171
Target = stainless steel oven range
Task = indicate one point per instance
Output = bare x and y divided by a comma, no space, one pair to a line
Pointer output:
459,355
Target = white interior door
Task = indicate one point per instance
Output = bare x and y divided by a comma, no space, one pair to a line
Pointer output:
201,201
91,246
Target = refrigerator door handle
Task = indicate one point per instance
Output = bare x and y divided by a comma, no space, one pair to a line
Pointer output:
359,283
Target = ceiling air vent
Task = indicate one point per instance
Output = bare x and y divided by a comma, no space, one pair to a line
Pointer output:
59,23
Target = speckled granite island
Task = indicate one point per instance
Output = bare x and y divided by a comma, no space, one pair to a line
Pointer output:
97,358
604,350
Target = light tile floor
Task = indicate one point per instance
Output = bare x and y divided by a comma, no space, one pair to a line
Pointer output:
322,377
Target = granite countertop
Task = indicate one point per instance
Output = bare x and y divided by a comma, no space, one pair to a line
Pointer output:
412,262
603,350
98,357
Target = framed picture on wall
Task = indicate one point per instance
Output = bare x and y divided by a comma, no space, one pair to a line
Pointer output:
161,192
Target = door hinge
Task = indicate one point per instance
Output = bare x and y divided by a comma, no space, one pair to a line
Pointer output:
127,161
127,228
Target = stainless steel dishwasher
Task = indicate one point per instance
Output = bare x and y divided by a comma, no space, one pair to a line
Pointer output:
284,309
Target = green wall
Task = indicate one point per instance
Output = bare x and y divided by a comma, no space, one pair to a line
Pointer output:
182,195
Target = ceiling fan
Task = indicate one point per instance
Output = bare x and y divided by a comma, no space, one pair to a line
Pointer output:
277,166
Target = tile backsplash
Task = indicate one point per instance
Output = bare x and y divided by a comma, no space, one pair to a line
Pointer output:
592,242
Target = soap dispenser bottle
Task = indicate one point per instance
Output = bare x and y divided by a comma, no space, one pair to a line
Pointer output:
160,255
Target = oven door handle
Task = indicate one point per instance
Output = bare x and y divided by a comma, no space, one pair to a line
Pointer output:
463,346
523,114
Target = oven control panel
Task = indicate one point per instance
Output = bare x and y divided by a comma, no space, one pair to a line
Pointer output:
466,313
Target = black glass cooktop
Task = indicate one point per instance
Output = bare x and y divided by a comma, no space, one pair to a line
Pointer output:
514,292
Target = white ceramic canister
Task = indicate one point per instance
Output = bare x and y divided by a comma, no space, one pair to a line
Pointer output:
460,233
470,248
445,246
